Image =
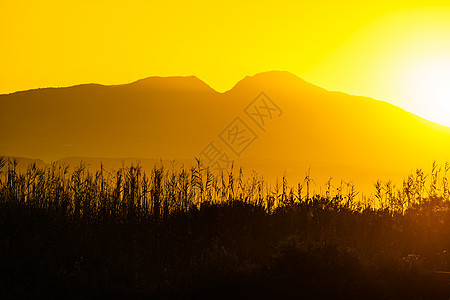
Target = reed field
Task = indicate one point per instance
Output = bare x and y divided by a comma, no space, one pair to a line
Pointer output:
193,233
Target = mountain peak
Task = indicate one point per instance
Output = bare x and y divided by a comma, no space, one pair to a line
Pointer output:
275,80
180,83
275,74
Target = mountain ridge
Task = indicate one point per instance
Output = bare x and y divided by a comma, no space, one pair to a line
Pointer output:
154,83
157,118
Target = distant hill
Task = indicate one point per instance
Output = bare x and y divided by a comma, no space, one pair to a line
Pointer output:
177,117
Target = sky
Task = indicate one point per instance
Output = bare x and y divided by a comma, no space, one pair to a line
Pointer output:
397,51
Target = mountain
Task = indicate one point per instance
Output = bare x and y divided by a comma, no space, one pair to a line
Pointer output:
337,134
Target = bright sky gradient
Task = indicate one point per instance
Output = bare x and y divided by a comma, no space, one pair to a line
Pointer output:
397,51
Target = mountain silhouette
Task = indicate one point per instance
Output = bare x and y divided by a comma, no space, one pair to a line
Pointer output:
177,117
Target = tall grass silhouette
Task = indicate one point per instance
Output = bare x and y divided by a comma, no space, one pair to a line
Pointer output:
131,193
191,232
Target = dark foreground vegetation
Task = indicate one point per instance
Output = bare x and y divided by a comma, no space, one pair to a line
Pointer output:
187,233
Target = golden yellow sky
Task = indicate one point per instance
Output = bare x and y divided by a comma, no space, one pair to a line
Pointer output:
397,51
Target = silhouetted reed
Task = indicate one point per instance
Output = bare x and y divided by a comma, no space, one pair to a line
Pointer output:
131,194
190,232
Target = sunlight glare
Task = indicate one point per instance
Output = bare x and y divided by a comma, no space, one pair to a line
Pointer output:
428,86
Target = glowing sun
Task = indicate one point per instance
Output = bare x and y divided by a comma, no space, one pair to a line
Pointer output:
428,83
